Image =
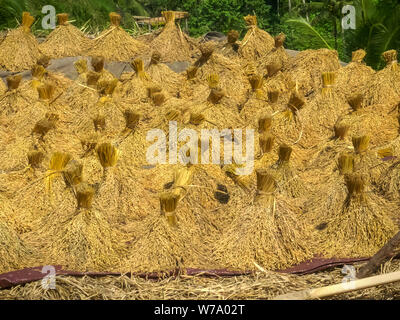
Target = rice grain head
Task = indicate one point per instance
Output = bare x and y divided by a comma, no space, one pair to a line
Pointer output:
107,154
328,81
360,144
62,19
358,55
115,19
390,58
279,40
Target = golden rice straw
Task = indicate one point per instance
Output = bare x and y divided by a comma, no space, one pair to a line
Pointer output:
191,72
279,40
273,95
107,87
216,94
84,195
115,19
38,71
89,142
168,203
46,91
35,159
73,173
243,181
206,49
62,19
81,66
296,102
358,55
264,123
27,21
266,184
196,118
153,90
98,63
58,162
13,82
251,21
43,61
158,98
355,101
385,152
107,154
99,122
390,58
155,58
328,81
169,17
43,126
341,131
345,164
131,118
138,66
360,144
232,36
182,177
266,142
284,154
213,80
256,82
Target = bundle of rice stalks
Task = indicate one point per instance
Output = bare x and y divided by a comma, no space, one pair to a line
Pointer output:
115,44
269,233
58,162
65,41
231,74
389,182
172,43
289,183
390,58
231,47
307,67
354,76
19,49
266,155
328,81
382,128
272,62
256,43
98,66
384,87
14,252
79,237
162,75
360,226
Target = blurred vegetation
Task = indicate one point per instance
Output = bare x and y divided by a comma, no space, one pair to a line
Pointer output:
308,24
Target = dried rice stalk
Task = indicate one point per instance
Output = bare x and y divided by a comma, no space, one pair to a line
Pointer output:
89,142
132,119
328,81
115,19
273,68
284,154
358,55
43,126
250,20
27,21
84,196
182,177
279,40
98,63
13,82
107,87
62,19
155,58
213,80
355,101
341,131
35,159
46,91
81,66
216,94
390,58
191,72
266,142
158,98
43,61
58,162
206,50
168,203
256,82
264,123
232,36
385,152
153,90
346,164
73,173
38,72
196,118
242,181
360,144
273,96
266,183
138,66
169,17
296,102
107,155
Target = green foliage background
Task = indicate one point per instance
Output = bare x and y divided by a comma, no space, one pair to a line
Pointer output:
308,24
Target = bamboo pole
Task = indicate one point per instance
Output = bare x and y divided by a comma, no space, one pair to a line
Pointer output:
341,287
